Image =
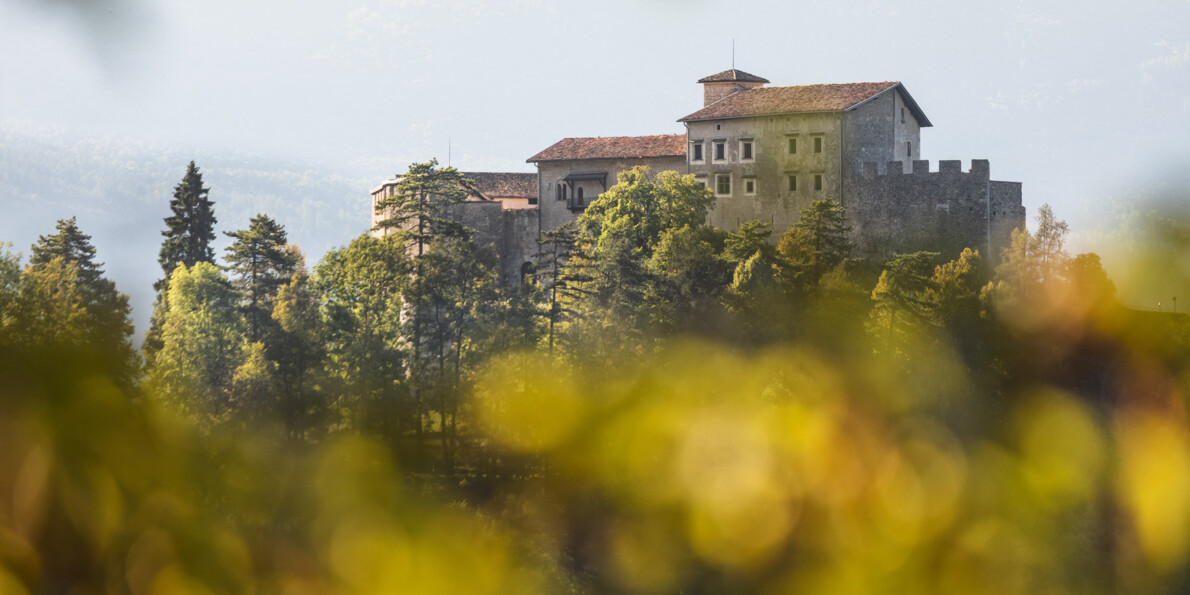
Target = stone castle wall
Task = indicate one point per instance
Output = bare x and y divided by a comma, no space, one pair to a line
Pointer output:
943,211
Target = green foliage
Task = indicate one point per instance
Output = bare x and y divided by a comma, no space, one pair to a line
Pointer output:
260,262
203,343
300,352
107,325
190,229
815,245
420,208
631,216
361,287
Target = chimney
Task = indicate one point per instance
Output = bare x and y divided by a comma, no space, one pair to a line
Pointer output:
728,82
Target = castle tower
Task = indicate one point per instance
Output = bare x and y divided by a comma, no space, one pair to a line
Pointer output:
718,86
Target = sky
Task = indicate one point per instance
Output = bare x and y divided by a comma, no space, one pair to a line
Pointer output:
1087,103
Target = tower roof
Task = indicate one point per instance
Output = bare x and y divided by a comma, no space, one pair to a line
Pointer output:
733,75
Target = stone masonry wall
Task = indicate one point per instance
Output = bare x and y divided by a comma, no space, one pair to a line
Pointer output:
943,211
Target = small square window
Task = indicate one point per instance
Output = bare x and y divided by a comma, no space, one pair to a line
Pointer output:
745,150
720,151
793,183
749,186
723,184
696,152
818,181
818,144
793,146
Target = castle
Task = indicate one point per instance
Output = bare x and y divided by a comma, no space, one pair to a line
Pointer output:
766,153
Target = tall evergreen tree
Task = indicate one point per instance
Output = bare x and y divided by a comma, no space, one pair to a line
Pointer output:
419,209
260,264
191,228
188,236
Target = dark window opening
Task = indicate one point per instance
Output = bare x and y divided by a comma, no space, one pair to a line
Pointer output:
793,146
818,144
818,181
746,150
697,152
719,151
723,184
793,183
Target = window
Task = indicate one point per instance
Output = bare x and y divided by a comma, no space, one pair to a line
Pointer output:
793,183
696,152
818,144
902,115
558,192
720,151
909,149
793,146
563,191
749,186
745,150
579,195
723,184
818,181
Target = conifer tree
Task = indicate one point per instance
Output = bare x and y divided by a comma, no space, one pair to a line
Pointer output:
191,228
105,323
188,236
260,264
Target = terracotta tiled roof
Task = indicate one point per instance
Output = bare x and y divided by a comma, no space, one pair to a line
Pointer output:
614,147
803,98
732,75
503,184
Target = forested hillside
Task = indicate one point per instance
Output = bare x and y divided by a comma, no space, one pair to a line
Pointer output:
660,407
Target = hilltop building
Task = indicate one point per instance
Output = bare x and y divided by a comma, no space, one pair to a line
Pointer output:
767,153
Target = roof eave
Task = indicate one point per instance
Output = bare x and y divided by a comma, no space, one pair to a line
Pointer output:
688,119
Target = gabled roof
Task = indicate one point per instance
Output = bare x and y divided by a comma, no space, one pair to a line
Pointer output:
503,184
614,147
767,101
732,75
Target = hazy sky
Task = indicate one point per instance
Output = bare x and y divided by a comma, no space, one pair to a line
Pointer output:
1085,102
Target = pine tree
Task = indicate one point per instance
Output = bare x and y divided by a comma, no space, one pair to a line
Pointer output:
260,263
191,229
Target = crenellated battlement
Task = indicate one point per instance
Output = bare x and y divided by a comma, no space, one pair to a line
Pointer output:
946,167
947,209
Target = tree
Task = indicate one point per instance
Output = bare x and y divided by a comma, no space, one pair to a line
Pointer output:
419,208
299,350
189,231
688,278
260,263
902,296
191,228
10,282
560,271
815,245
618,233
202,345
106,324
360,287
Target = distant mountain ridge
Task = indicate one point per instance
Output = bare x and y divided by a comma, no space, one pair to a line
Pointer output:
120,190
